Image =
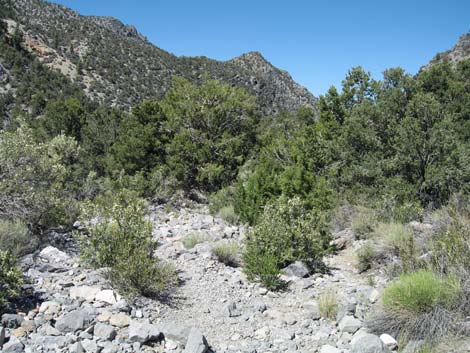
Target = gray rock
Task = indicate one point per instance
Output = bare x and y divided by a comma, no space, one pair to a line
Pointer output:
259,306
12,320
73,321
110,347
90,346
13,346
196,342
369,343
105,332
349,324
2,336
144,332
175,333
232,310
297,269
76,348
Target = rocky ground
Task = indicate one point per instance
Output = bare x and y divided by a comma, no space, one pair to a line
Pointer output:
73,309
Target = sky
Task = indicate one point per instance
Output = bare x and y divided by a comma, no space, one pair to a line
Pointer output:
316,41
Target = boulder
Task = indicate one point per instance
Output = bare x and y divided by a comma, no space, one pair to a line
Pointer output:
84,292
196,342
389,341
14,345
368,343
12,320
175,333
90,346
52,254
144,332
296,269
50,308
74,321
349,324
107,296
120,320
105,332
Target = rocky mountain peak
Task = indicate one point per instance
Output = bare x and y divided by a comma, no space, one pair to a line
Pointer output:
460,52
117,27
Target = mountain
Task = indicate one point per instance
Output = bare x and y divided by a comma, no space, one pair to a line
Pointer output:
116,65
460,52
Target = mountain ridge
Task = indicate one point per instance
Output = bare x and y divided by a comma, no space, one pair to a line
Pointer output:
116,65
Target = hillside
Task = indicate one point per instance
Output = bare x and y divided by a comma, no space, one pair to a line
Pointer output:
118,66
460,52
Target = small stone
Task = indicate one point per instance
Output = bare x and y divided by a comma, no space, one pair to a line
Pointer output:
259,306
313,309
120,320
105,332
349,324
171,345
232,310
2,335
19,332
51,331
196,343
28,326
389,341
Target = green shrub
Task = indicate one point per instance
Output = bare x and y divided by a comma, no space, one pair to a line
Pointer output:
262,267
400,240
363,222
143,275
35,178
192,239
365,257
227,253
328,305
119,237
421,291
16,238
287,232
228,214
220,199
10,277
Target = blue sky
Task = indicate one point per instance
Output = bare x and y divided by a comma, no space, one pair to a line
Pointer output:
317,41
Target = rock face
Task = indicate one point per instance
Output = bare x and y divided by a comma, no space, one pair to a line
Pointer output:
121,67
461,51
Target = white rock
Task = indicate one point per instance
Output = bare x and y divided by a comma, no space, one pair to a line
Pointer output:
374,296
107,296
53,254
389,341
84,292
